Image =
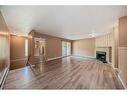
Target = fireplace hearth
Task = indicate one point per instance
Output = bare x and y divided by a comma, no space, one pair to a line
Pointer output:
100,55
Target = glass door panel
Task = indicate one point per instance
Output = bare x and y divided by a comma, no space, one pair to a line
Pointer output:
66,48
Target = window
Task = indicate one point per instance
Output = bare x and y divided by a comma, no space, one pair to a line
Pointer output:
26,47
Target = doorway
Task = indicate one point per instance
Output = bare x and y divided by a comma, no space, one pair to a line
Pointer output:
66,48
39,49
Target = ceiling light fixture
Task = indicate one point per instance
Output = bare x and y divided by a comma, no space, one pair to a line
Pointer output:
93,34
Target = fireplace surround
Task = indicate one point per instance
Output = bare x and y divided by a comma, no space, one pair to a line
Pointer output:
101,55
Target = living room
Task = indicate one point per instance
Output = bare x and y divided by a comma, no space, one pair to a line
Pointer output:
63,47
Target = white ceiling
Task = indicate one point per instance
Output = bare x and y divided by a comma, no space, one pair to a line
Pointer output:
71,22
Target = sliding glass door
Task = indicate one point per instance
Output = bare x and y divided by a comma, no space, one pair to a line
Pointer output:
66,48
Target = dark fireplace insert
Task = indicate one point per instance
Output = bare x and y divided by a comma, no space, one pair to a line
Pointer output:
100,55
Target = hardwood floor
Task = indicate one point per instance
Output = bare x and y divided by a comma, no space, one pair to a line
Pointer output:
65,73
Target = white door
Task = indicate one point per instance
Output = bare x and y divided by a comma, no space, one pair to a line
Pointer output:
66,48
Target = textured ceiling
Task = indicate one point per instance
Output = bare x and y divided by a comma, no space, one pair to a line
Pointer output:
71,22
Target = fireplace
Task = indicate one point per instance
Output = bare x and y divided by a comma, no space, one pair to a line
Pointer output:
101,55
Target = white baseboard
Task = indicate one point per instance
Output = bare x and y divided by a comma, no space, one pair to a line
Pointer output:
119,78
4,78
122,82
69,55
55,58
84,56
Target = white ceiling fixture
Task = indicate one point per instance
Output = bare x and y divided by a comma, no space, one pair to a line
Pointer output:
71,22
93,34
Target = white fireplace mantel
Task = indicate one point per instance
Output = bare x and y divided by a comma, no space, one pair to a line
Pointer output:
108,52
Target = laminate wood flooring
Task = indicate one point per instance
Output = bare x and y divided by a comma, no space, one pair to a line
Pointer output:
66,73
